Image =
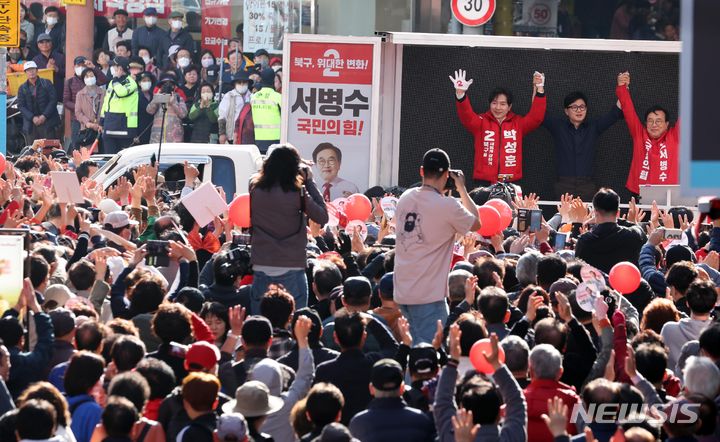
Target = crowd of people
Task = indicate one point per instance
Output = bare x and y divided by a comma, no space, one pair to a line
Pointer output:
142,85
137,324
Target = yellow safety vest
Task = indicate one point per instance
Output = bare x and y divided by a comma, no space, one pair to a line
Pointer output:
122,98
265,105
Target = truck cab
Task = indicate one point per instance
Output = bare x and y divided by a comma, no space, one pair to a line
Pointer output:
226,165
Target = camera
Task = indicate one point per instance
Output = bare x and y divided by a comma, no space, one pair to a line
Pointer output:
167,88
157,253
450,184
240,239
709,206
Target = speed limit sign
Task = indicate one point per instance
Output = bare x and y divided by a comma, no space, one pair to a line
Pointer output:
473,12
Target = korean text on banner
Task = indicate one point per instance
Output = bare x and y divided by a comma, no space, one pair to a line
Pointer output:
12,263
10,23
267,21
134,8
215,24
330,100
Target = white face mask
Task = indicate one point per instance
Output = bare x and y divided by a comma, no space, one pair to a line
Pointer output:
79,70
90,81
52,21
207,62
146,60
241,88
277,67
207,95
150,20
183,62
145,86
176,24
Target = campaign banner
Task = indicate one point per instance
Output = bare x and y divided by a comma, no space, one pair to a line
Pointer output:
215,24
266,22
134,8
330,112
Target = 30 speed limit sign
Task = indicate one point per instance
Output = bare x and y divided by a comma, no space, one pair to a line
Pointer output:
473,12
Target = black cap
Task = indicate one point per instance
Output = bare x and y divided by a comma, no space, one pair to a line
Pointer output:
120,12
423,359
387,375
167,76
242,76
79,60
268,77
436,160
260,52
122,62
678,253
357,288
137,61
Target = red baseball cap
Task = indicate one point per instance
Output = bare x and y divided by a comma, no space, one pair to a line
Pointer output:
201,356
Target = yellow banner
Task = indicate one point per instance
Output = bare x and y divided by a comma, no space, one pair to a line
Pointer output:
74,2
10,23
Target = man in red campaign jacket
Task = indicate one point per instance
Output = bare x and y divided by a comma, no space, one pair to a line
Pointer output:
655,144
499,132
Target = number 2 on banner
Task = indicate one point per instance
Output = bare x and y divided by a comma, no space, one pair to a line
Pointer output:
331,63
473,12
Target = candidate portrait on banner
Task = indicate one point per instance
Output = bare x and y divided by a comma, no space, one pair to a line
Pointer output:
328,160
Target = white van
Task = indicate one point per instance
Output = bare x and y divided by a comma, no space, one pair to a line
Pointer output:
226,165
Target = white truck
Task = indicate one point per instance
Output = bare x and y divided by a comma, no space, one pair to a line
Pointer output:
226,165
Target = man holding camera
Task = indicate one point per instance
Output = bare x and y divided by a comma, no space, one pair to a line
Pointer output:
427,224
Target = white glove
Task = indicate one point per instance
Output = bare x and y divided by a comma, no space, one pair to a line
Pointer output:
542,76
459,81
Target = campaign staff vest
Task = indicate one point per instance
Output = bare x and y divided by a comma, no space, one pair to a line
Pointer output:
120,107
266,113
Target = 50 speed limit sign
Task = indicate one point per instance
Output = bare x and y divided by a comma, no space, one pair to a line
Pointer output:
473,12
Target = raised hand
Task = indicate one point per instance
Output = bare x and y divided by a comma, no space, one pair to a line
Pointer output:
539,81
462,423
461,85
404,328
556,417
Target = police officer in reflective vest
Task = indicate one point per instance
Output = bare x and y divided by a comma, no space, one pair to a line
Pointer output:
119,112
266,112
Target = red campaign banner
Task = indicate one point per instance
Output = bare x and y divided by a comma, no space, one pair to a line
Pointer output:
135,8
215,24
340,63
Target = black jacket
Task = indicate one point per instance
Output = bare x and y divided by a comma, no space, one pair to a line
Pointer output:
350,372
320,354
155,39
610,243
182,39
38,100
390,419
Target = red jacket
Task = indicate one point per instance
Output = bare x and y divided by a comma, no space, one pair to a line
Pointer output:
498,146
654,161
537,395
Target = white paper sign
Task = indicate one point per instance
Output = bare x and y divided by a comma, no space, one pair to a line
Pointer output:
586,294
204,204
12,254
388,205
67,187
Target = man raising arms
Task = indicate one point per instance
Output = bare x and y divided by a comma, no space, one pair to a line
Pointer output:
655,144
499,131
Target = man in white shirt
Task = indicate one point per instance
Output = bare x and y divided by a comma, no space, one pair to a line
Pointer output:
121,31
328,159
427,222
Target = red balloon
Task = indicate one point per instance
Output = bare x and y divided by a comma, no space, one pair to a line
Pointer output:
2,164
490,219
625,277
506,213
239,210
478,359
358,206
